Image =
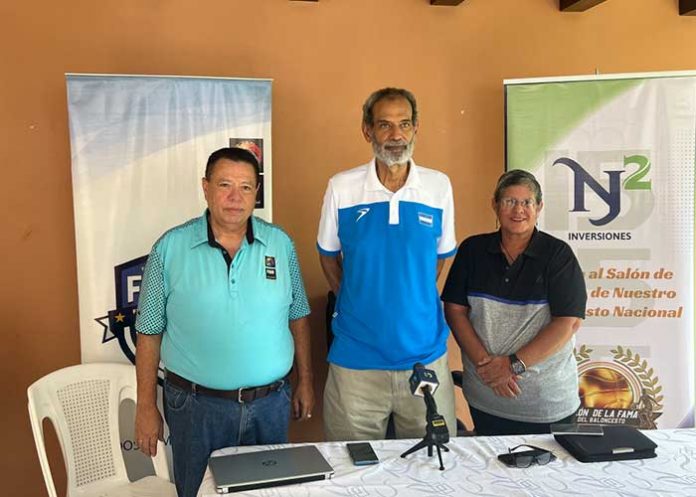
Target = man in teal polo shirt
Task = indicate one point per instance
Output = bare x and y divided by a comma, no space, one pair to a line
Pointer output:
224,307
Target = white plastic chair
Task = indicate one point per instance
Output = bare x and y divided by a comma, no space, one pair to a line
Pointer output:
83,403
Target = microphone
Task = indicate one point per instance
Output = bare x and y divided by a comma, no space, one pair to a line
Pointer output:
421,379
423,383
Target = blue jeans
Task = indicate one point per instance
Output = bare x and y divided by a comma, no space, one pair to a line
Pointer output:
200,424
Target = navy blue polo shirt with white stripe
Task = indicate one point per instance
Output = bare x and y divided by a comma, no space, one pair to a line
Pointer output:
509,304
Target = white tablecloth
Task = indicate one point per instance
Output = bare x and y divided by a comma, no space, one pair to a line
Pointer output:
472,468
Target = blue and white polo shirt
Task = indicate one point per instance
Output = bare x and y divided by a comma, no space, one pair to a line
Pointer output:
388,313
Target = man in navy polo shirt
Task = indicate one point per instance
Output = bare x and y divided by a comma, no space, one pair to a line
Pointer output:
386,228
224,306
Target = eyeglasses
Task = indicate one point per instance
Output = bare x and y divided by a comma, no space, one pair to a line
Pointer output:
511,203
526,458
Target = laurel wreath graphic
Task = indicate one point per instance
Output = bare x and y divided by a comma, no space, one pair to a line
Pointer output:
646,375
582,355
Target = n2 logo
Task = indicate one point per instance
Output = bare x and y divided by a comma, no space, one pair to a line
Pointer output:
611,195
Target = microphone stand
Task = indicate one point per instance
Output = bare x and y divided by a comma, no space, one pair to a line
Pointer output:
436,433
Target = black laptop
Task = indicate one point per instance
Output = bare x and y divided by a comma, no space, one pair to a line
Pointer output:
619,443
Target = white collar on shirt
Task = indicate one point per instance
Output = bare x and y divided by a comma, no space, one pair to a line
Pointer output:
372,182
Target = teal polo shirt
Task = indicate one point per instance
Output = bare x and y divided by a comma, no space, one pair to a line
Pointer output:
224,322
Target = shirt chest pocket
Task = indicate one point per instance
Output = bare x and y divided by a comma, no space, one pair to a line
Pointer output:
531,282
273,284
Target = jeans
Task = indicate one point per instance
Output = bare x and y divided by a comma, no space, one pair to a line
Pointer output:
200,424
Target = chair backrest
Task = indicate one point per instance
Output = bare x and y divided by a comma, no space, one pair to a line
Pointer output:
83,404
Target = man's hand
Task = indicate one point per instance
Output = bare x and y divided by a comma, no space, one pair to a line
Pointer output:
495,371
511,390
303,400
148,429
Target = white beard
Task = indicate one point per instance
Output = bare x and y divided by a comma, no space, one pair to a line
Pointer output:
388,158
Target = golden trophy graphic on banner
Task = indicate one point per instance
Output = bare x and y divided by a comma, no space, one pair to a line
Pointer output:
623,390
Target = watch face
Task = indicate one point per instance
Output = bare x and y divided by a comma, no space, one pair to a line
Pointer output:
517,367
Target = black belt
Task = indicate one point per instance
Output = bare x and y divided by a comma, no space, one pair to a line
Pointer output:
241,395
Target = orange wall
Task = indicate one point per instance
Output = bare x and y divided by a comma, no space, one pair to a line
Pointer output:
325,58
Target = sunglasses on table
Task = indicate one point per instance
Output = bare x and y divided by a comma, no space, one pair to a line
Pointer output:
525,458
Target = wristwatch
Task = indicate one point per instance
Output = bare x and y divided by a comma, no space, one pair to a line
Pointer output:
516,364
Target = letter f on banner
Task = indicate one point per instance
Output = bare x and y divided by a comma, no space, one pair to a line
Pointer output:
611,197
133,286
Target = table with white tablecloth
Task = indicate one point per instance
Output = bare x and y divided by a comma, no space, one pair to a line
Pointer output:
472,468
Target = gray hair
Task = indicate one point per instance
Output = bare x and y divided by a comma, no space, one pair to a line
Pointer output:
388,93
517,177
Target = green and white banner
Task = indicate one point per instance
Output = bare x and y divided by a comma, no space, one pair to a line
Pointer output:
615,156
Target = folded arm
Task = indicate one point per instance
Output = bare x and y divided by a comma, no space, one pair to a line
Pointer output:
549,340
497,374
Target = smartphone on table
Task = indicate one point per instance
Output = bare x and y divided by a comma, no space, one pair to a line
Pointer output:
361,453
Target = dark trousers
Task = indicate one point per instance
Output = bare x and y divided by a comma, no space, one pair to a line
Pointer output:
487,425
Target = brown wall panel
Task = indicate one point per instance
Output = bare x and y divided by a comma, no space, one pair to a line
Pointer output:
325,57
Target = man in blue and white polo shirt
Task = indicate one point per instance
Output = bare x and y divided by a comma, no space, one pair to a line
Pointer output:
386,228
223,305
